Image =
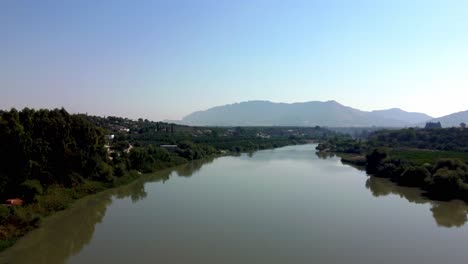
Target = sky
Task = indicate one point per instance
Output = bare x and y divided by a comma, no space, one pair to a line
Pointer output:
165,59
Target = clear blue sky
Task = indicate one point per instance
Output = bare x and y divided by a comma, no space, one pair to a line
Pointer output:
165,59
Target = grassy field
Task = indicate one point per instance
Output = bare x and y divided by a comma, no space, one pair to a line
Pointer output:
419,156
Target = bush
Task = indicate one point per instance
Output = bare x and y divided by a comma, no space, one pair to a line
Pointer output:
24,216
119,170
388,168
90,187
4,213
450,164
31,188
56,198
374,160
105,172
446,183
414,176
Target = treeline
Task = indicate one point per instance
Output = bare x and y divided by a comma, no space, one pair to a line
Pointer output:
142,133
449,139
42,148
432,159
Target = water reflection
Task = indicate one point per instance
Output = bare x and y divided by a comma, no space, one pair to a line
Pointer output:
446,214
62,235
187,170
67,232
325,155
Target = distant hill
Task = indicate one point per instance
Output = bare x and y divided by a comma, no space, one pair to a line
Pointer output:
398,114
330,113
452,120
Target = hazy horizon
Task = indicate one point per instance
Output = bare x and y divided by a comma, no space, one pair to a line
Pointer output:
164,60
202,110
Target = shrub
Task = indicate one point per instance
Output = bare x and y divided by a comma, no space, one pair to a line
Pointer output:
55,198
4,213
414,176
119,170
31,188
374,160
446,183
450,164
90,187
105,172
24,216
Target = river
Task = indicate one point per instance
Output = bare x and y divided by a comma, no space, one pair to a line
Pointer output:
287,205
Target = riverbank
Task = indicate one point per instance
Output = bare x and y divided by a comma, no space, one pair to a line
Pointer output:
20,220
58,198
442,172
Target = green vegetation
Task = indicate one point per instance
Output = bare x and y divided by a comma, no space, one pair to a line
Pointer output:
49,158
421,156
433,159
448,139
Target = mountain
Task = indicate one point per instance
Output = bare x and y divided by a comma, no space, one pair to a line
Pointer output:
398,114
453,120
330,113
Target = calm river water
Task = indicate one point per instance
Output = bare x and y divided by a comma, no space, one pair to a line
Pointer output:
287,205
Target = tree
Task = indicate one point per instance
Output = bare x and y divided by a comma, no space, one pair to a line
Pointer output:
433,125
374,160
449,178
414,176
31,188
46,147
463,125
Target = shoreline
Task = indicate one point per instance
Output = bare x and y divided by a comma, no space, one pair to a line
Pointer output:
130,178
406,175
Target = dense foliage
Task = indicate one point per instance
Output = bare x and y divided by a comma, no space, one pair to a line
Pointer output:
50,147
453,139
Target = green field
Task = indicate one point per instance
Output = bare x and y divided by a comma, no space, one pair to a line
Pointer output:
420,157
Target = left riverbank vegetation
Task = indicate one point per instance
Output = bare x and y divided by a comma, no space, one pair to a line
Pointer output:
50,157
434,159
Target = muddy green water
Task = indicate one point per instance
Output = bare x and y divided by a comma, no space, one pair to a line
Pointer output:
285,205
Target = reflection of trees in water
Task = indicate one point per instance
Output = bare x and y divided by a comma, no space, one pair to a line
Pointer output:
329,155
324,155
450,214
136,191
66,233
446,214
384,187
62,235
188,169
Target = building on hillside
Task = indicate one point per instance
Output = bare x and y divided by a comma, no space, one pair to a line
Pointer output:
169,147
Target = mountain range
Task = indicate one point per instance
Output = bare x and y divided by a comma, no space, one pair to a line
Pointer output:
453,120
313,113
